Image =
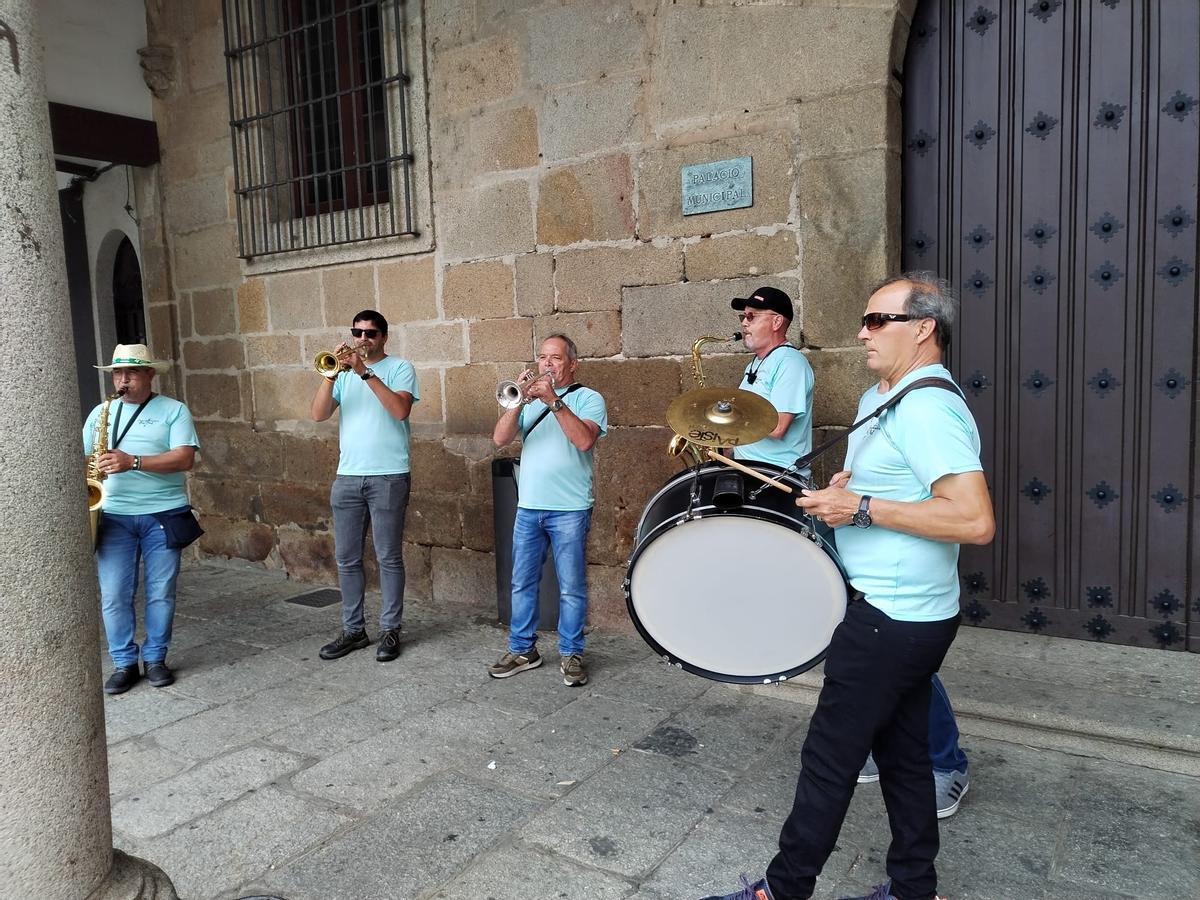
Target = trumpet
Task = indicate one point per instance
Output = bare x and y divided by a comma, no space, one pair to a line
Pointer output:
513,393
329,362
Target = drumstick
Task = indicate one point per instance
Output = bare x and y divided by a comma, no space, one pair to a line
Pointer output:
724,460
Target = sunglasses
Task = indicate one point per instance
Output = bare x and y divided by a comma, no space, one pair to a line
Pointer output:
875,321
747,318
365,332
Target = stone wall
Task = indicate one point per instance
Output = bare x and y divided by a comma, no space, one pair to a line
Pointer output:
557,129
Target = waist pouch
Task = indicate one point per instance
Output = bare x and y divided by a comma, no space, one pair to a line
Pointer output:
180,526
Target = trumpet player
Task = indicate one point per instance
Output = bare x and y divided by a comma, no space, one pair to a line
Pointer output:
146,520
559,423
375,393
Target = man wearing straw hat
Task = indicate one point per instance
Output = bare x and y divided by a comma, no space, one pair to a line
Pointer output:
151,442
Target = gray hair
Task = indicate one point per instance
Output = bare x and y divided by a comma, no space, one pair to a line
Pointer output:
929,297
572,350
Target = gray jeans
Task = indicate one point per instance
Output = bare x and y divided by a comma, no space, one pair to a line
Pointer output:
378,501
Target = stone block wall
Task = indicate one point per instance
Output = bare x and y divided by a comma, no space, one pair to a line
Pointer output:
556,131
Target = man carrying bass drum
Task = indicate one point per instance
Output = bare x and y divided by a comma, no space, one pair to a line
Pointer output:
912,492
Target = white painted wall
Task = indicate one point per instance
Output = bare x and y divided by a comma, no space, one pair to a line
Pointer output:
105,221
91,54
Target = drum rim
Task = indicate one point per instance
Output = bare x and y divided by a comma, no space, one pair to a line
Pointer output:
771,678
708,467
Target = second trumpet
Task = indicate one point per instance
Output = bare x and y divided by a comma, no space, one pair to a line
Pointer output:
515,392
329,362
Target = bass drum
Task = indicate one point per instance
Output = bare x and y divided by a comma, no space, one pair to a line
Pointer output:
734,589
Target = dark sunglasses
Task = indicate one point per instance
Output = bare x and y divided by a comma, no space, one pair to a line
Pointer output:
875,321
365,332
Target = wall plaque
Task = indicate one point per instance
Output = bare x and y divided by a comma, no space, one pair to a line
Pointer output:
709,187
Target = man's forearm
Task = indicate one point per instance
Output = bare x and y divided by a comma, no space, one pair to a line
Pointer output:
506,428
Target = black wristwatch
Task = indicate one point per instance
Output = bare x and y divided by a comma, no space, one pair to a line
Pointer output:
367,375
862,518
557,405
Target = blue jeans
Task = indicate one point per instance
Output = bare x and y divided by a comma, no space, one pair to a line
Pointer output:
126,543
566,532
380,501
943,732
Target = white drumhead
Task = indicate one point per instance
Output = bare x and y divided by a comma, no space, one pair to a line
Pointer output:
738,596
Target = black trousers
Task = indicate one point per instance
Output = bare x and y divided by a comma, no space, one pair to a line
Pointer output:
875,697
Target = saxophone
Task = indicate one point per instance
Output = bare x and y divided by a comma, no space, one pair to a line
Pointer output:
95,478
679,444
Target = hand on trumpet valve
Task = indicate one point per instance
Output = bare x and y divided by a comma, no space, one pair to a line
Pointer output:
538,387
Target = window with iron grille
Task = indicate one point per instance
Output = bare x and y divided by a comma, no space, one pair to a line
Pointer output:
320,116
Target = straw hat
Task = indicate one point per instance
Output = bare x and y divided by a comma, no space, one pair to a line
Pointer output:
134,356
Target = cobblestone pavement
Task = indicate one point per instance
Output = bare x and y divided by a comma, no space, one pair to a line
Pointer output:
265,770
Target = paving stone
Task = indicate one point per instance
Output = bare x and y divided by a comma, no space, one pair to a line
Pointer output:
654,683
233,724
1128,829
238,679
217,852
628,816
132,765
423,840
393,762
713,855
568,746
724,729
543,876
765,790
167,804
143,709
537,693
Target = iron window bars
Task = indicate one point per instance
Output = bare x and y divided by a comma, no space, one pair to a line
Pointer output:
319,117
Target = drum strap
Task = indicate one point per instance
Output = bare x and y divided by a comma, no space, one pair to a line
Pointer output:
931,382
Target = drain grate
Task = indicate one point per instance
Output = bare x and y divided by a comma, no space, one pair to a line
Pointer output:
317,599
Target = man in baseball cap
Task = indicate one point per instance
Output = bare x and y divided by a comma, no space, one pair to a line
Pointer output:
780,373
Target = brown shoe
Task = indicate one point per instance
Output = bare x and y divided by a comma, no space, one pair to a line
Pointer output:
512,663
573,672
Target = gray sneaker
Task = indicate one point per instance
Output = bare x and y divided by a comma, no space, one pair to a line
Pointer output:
870,772
950,788
573,672
512,663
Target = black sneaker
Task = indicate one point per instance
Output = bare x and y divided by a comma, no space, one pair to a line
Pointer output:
158,674
345,643
122,679
389,645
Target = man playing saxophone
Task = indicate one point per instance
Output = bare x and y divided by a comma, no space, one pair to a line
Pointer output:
149,444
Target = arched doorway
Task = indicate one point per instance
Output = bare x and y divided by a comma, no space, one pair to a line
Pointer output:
128,304
1050,173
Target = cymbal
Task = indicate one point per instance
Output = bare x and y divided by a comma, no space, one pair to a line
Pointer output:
721,416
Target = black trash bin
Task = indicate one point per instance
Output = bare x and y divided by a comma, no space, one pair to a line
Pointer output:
505,475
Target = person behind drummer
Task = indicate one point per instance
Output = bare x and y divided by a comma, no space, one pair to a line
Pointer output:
554,505
914,490
780,373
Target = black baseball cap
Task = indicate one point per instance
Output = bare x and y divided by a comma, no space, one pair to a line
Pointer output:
768,298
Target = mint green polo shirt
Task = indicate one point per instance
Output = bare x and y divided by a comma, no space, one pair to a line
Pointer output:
163,425
926,436
785,378
555,474
371,440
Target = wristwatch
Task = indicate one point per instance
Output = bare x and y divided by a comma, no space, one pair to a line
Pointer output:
367,375
557,405
862,518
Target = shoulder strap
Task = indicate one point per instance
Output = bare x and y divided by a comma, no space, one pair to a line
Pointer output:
931,381
545,412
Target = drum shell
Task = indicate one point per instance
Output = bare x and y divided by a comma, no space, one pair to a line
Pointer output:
672,507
